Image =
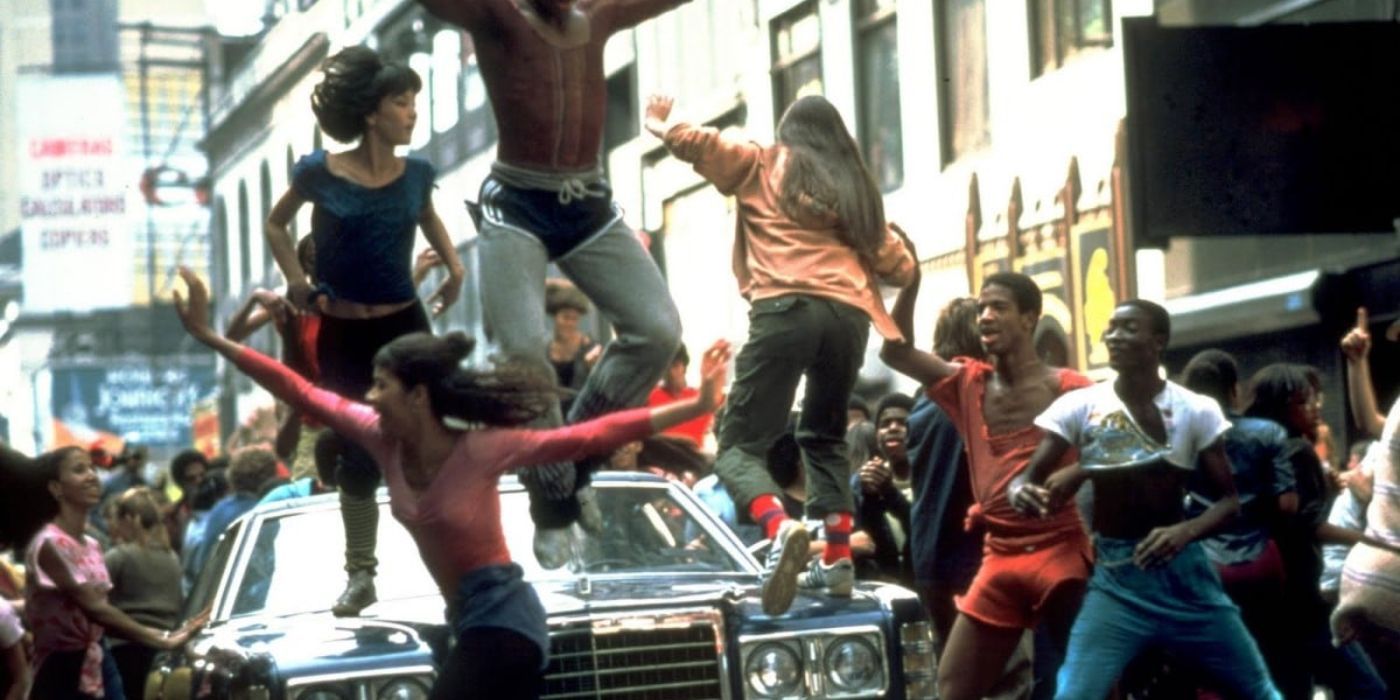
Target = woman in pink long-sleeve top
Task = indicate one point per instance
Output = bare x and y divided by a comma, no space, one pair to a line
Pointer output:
442,482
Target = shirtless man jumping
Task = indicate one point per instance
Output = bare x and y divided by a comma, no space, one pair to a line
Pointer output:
1033,569
546,200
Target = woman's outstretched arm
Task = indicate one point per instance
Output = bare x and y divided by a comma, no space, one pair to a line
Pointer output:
509,449
355,420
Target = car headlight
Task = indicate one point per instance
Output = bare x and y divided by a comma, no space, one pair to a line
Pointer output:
172,684
403,689
774,670
920,667
325,692
853,664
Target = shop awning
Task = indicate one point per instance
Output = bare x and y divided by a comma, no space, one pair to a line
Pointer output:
1275,304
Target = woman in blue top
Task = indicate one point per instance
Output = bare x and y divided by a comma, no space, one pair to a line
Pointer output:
367,205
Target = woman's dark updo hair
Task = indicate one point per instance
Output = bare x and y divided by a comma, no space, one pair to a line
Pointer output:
506,396
357,79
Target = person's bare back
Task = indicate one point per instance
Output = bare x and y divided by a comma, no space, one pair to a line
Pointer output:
542,62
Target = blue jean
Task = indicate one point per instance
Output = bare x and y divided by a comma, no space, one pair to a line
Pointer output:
1180,607
620,277
497,596
112,688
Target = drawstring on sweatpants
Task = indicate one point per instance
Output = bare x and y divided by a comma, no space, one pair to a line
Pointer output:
574,188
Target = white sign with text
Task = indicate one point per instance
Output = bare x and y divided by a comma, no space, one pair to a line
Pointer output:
75,190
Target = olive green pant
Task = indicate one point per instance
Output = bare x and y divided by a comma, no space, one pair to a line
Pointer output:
792,337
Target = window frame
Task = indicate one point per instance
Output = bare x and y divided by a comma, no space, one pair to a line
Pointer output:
946,113
782,64
1062,49
866,23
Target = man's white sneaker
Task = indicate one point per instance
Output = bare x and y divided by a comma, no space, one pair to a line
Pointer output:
590,516
786,559
837,578
553,546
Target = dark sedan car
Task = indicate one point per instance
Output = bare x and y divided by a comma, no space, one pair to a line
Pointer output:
663,605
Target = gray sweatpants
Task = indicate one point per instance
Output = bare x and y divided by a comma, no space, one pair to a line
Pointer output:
622,280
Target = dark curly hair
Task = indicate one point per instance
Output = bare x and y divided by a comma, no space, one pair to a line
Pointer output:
893,400
182,462
506,396
1024,291
357,79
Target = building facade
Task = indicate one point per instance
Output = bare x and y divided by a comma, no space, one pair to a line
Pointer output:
101,113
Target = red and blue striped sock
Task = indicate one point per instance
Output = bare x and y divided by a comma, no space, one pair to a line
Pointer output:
767,511
838,538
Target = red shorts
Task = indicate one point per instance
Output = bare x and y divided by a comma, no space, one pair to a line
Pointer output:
1011,588
1255,581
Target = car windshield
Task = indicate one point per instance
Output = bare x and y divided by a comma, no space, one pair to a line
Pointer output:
645,529
296,558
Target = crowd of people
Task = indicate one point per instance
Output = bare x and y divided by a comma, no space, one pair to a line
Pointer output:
1155,535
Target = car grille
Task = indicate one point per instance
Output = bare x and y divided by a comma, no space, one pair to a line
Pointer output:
641,658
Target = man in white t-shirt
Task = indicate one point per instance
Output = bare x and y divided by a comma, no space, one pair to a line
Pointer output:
1139,438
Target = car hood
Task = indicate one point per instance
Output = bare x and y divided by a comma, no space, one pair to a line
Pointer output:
400,633
738,593
403,632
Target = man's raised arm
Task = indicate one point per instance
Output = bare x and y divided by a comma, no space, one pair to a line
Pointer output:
1361,393
925,368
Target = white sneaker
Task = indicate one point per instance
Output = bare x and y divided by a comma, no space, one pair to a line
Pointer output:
835,579
590,516
553,546
786,559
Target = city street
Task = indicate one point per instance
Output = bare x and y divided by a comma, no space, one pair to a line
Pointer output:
268,269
